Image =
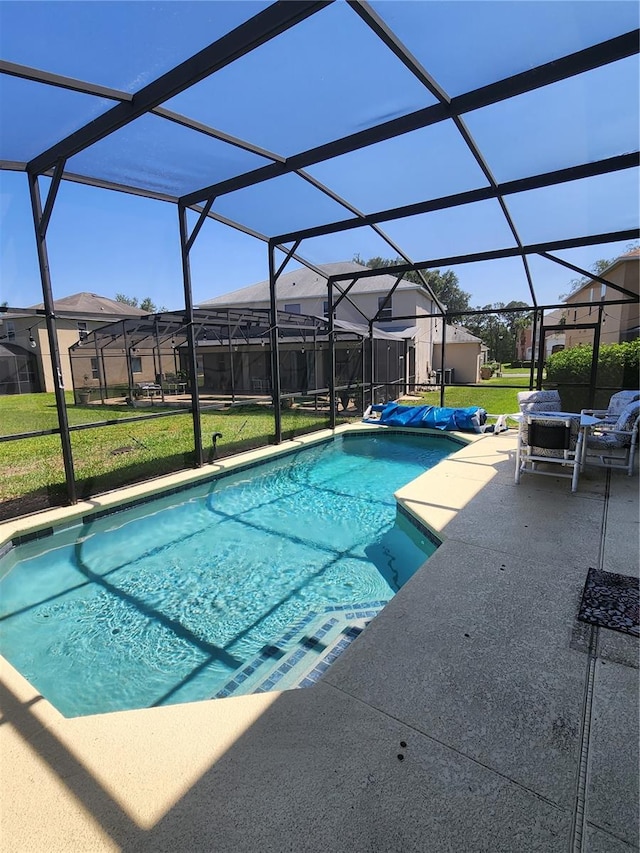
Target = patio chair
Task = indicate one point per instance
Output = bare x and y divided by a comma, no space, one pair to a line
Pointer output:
551,442
148,389
618,402
614,445
539,401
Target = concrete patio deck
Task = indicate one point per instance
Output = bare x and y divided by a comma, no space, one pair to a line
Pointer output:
474,714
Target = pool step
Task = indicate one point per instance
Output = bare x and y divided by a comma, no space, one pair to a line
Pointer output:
304,652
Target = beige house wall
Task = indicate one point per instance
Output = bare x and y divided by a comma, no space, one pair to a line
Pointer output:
464,358
617,319
403,303
68,334
407,302
423,343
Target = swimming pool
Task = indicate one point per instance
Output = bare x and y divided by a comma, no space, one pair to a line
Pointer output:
251,581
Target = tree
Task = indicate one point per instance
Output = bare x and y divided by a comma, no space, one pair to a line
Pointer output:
597,268
127,300
500,330
515,324
490,329
149,306
147,303
444,285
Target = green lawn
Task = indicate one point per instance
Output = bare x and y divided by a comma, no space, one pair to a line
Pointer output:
491,395
112,456
506,369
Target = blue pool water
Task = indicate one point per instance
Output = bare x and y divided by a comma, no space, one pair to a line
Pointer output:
164,602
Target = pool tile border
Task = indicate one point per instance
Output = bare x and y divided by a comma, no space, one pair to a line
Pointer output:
419,525
366,610
275,676
351,634
141,500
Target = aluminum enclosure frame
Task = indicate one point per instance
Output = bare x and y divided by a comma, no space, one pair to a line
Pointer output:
258,30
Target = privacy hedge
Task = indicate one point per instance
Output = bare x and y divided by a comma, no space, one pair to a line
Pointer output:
618,369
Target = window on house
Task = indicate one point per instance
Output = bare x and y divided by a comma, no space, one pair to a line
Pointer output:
136,364
292,307
591,294
94,369
11,329
575,316
384,307
82,329
603,290
325,308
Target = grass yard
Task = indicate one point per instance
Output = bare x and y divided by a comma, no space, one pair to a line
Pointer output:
491,395
507,370
120,454
112,456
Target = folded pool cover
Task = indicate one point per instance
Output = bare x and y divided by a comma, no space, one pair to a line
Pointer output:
432,417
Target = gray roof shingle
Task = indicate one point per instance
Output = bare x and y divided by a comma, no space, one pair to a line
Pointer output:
91,303
304,283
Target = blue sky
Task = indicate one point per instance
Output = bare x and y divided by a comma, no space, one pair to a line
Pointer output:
107,242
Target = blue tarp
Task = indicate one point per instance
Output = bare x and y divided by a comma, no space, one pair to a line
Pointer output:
431,417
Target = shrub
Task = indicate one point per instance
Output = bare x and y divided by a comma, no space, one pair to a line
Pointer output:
618,368
619,365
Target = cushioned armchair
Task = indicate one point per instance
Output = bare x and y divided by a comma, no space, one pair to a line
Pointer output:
618,402
551,446
614,445
539,401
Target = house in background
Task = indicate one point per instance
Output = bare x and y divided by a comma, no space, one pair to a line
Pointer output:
619,322
464,354
553,341
25,357
304,291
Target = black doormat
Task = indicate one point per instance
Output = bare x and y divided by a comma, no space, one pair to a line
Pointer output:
611,601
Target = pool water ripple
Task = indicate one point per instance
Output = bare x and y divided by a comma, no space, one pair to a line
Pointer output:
163,603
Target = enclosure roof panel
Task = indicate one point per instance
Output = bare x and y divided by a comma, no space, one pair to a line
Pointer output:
327,124
377,333
161,156
12,351
565,124
500,39
120,45
213,326
425,164
35,116
323,79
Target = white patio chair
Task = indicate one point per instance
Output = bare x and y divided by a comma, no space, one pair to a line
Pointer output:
550,442
614,445
539,401
618,402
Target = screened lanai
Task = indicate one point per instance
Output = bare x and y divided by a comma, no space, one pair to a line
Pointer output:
497,140
148,359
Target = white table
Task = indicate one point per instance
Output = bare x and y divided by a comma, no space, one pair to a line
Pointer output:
585,421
